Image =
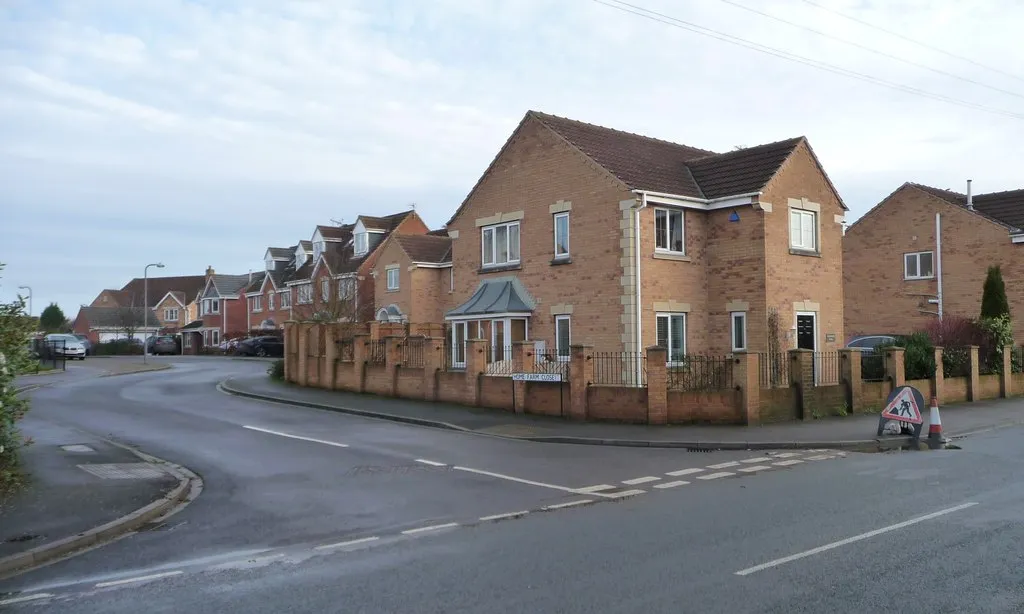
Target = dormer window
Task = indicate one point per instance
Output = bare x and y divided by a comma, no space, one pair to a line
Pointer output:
271,264
361,245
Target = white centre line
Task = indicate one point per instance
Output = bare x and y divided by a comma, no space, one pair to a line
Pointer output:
507,516
510,478
26,598
671,484
155,576
715,476
597,488
279,434
753,469
787,463
351,542
436,527
850,540
643,480
431,463
723,465
559,506
676,474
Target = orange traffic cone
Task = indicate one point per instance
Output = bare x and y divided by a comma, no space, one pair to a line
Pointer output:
935,439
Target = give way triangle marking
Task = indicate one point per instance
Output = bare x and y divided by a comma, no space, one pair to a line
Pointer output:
904,408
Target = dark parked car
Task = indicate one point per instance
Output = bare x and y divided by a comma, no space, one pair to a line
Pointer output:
261,346
869,343
163,345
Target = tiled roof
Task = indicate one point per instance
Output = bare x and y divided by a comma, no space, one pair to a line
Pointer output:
257,282
229,285
117,317
440,232
386,223
194,325
336,233
304,272
341,259
307,246
160,286
742,171
285,253
425,248
1004,208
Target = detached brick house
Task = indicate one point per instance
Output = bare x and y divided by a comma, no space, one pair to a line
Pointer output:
171,300
893,264
413,278
222,310
174,310
545,246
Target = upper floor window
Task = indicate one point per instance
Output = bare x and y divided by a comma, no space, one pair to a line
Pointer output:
918,265
393,279
270,302
305,294
361,243
672,335
500,244
451,279
803,230
325,289
257,303
214,306
171,314
561,235
286,299
669,231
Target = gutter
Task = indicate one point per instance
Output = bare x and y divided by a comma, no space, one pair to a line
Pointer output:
636,306
703,201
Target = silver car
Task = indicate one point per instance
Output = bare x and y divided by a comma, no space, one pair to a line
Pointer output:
68,346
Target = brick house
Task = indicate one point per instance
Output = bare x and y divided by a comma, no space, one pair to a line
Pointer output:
222,310
268,299
103,324
893,265
413,278
172,311
335,282
544,245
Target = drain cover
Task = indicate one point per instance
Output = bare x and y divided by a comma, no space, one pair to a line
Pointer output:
77,448
124,471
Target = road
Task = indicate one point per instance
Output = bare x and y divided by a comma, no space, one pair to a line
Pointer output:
309,511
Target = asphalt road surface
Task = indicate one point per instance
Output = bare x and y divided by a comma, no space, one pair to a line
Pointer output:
310,511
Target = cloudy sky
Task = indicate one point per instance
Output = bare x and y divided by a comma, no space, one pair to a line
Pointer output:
199,132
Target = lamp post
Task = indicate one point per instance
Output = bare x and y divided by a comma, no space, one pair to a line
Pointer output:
145,307
29,288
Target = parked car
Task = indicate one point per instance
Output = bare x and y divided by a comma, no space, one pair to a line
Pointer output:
163,345
261,346
869,343
88,344
64,345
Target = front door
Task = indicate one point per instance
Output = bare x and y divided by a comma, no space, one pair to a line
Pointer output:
806,339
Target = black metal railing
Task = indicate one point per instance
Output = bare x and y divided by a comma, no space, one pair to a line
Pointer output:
827,369
499,360
627,369
700,373
1017,360
956,361
872,366
550,361
346,350
376,352
412,352
774,369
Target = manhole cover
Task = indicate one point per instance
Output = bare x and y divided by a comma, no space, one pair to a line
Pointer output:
124,471
77,448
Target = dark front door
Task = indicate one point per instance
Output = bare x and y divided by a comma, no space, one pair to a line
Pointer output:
805,332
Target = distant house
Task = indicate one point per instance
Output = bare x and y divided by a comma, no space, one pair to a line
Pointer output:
103,324
173,310
222,310
413,278
268,298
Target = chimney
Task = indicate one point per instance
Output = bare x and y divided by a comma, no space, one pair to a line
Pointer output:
970,199
250,275
209,272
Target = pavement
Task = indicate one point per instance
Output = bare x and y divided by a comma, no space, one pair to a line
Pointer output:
855,432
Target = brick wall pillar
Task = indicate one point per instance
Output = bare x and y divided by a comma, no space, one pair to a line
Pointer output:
581,371
1006,381
330,373
476,364
303,375
895,372
433,359
850,377
746,377
974,383
938,380
359,343
374,331
657,385
392,360
801,377
523,361
289,351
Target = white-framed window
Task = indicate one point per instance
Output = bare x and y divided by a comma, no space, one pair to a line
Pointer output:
803,230
325,289
451,279
360,243
215,306
459,332
919,265
672,335
318,248
257,303
670,230
304,294
392,279
739,330
215,335
561,224
286,298
186,341
171,314
563,336
346,288
500,244
270,302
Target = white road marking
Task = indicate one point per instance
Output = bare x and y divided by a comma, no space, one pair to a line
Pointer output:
26,598
819,457
787,463
351,542
559,506
643,480
671,484
753,469
155,576
753,460
510,478
279,434
787,454
509,515
431,463
715,476
591,489
436,527
625,493
676,474
723,465
850,540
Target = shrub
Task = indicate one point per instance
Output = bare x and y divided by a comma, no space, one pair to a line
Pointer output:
993,295
15,328
998,334
120,347
918,356
276,369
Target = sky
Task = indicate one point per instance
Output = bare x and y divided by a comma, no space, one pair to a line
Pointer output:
199,132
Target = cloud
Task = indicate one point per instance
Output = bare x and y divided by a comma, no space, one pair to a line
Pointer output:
204,131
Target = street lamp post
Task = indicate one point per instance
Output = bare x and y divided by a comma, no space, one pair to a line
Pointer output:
29,288
145,307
